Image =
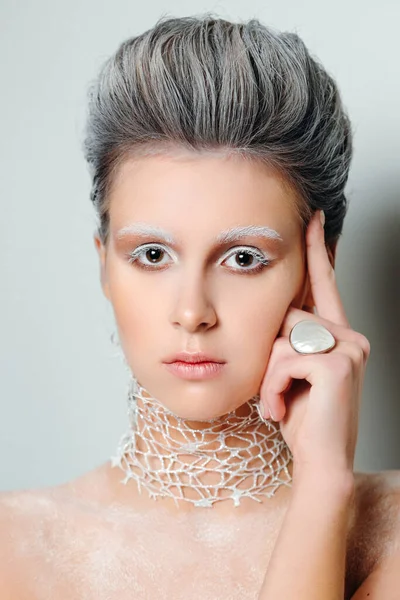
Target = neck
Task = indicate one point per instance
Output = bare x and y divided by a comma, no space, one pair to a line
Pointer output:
234,456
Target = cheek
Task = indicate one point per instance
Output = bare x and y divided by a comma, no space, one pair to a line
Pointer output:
131,304
250,317
254,333
259,316
140,312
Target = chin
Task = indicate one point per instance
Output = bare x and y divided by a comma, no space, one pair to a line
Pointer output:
199,412
196,402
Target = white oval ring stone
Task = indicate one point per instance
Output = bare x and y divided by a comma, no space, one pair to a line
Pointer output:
309,337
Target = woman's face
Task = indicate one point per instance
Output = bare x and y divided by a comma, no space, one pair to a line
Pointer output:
196,294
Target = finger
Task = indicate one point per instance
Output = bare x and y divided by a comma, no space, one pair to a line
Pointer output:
280,381
282,347
339,332
322,275
280,376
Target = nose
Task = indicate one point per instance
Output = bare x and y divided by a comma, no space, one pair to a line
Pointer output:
193,309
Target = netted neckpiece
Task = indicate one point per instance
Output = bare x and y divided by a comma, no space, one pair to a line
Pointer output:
255,466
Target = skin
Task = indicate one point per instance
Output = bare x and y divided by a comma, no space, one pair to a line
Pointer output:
208,303
55,536
205,306
320,425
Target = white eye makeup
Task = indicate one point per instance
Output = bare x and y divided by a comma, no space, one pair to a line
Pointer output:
151,252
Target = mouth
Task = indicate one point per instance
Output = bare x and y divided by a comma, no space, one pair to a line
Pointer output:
193,359
191,370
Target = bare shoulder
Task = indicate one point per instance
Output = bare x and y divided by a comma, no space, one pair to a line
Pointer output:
23,511
387,480
50,538
377,503
374,542
28,518
21,515
39,529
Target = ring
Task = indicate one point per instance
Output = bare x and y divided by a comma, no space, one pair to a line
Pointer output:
310,337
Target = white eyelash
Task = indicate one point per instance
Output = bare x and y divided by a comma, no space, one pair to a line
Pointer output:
262,258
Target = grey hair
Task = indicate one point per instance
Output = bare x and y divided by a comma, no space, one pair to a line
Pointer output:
204,84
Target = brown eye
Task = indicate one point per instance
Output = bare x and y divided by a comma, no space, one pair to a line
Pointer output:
150,256
244,259
153,255
145,257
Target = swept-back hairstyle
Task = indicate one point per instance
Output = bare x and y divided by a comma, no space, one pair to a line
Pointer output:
206,84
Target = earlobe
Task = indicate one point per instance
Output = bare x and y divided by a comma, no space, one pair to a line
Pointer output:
101,251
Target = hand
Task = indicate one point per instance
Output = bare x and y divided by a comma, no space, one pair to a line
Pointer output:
316,398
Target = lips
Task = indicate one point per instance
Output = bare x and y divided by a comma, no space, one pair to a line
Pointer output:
195,371
193,358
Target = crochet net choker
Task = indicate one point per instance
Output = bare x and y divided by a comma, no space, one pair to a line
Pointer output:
247,456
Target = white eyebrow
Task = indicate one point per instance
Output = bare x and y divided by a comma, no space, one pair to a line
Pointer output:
228,235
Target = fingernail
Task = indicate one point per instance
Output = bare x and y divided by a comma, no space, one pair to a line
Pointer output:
322,217
271,415
264,412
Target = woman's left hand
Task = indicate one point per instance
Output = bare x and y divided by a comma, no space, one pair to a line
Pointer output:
316,398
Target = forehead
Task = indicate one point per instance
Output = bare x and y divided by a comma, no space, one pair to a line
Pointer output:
200,188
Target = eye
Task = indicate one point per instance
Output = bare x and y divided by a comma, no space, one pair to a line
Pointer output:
151,252
247,255
244,257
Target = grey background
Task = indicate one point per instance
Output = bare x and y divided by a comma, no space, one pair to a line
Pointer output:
62,389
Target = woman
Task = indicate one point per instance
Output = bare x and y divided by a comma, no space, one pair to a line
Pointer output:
215,148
